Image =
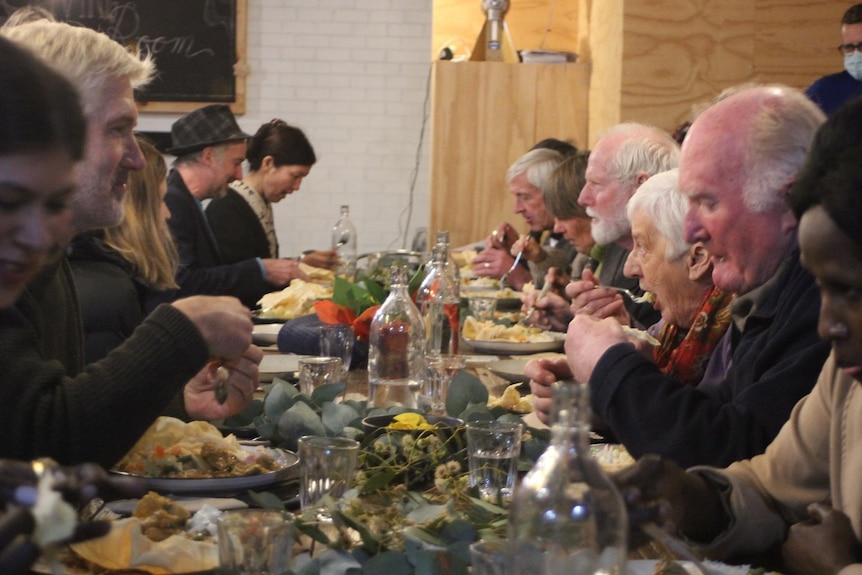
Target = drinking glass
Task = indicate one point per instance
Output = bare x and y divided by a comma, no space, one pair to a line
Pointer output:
483,307
326,467
441,370
315,371
493,448
337,341
255,541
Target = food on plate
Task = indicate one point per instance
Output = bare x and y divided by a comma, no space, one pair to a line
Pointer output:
160,517
611,456
505,293
491,331
293,301
317,275
158,538
512,400
175,449
640,334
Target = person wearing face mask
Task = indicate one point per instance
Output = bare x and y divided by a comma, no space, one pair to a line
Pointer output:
830,92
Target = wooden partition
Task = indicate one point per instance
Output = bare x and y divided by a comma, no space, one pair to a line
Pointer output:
485,115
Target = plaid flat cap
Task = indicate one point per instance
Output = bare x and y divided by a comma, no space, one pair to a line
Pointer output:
207,126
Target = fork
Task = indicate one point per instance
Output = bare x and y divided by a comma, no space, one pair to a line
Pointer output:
545,289
505,276
632,296
675,545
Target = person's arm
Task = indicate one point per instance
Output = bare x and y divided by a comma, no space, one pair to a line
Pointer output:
99,414
775,363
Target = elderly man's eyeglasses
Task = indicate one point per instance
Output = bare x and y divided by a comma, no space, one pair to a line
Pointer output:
848,49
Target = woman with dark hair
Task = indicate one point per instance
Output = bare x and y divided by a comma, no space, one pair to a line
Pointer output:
279,157
42,133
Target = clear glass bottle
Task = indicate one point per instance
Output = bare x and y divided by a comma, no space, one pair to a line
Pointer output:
443,238
344,242
567,516
439,303
396,348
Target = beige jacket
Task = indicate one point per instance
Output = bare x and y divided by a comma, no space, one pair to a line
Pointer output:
816,457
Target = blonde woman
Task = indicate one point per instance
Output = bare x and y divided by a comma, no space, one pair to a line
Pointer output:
121,272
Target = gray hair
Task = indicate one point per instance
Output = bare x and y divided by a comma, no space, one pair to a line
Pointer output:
86,57
643,149
660,198
777,143
538,164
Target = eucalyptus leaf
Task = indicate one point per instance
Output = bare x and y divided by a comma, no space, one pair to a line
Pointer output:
337,416
425,537
465,389
297,421
426,513
337,562
389,563
279,399
266,500
327,392
459,530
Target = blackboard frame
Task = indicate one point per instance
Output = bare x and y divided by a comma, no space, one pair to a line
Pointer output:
231,93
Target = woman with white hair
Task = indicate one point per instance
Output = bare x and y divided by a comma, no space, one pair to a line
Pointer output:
695,314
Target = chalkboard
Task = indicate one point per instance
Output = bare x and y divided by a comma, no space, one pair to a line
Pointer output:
198,45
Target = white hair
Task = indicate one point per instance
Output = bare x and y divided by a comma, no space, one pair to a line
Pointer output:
538,164
644,149
659,197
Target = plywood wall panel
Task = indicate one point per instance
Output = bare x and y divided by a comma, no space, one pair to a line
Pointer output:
485,116
533,24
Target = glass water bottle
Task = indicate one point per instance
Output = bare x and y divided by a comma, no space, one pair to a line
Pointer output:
396,350
344,243
439,303
567,516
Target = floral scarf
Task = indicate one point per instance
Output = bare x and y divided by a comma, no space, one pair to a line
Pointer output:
262,209
684,356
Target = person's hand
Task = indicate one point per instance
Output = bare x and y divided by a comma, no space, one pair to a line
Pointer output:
493,262
242,379
503,237
543,373
587,340
533,251
588,299
658,490
321,259
281,271
77,485
822,545
223,321
551,311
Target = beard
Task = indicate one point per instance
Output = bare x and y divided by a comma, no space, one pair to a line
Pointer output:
609,231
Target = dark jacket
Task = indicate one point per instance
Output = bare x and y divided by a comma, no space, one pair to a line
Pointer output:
237,230
202,270
96,414
111,298
775,362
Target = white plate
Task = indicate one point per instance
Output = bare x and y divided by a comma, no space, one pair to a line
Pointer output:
222,485
647,566
266,333
512,370
279,363
518,348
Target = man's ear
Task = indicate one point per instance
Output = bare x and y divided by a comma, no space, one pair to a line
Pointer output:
699,266
641,178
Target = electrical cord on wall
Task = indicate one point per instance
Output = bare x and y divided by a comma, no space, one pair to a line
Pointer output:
548,25
408,210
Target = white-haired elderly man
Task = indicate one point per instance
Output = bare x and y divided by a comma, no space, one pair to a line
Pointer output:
737,165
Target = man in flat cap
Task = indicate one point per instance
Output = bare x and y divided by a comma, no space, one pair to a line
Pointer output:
209,147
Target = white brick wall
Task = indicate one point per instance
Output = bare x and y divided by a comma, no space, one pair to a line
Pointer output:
353,75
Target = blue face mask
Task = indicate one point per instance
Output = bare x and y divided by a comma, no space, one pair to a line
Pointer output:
853,64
